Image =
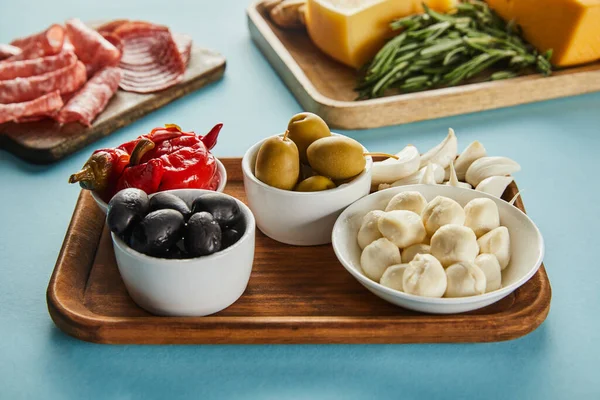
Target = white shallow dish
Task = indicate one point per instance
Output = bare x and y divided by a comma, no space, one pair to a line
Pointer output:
220,170
189,287
299,218
527,249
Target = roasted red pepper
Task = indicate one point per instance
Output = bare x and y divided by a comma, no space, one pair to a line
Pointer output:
164,159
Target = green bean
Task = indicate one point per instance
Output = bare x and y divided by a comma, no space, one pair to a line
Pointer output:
439,50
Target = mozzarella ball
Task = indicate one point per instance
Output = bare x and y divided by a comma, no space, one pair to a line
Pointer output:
465,279
496,242
392,277
442,211
490,266
409,201
454,243
401,227
427,241
482,216
411,251
424,276
377,257
369,232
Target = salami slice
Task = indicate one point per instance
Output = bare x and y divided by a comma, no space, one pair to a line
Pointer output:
92,98
92,49
110,27
37,66
54,32
7,50
184,45
67,45
66,80
114,40
46,43
44,105
151,60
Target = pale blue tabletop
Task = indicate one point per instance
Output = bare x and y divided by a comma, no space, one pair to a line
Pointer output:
556,143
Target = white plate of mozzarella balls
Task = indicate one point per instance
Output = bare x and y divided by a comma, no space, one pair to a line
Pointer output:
437,249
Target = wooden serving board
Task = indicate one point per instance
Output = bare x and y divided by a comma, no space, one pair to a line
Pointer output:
325,87
47,141
295,295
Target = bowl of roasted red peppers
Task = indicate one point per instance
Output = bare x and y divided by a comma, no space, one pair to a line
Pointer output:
164,159
182,252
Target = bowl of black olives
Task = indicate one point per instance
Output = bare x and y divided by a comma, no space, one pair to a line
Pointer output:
221,171
186,252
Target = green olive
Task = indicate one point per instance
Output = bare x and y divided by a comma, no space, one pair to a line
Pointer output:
337,157
306,171
278,163
339,182
315,183
304,129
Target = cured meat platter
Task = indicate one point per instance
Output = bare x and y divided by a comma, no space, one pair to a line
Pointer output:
72,83
326,87
47,141
295,295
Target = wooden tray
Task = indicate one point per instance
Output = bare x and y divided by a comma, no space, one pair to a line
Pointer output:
46,141
325,87
295,295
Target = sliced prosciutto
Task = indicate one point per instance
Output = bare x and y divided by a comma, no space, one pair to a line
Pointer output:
151,60
37,66
183,41
184,45
65,80
92,98
46,43
7,50
45,105
91,47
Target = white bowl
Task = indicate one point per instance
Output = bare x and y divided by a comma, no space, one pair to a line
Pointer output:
527,249
188,287
220,170
299,218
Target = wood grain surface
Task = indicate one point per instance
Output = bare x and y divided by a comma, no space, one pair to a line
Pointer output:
325,87
295,295
47,141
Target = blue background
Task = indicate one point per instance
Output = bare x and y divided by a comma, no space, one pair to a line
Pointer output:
556,143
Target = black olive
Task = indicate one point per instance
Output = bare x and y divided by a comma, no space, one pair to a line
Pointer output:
232,235
202,235
176,253
125,209
162,201
158,232
224,210
180,245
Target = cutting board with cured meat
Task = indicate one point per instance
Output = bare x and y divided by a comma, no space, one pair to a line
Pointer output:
66,87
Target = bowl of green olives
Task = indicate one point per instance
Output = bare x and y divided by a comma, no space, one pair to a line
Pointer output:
298,183
222,182
185,252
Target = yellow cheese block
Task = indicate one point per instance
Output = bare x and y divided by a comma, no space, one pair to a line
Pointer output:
570,27
352,31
